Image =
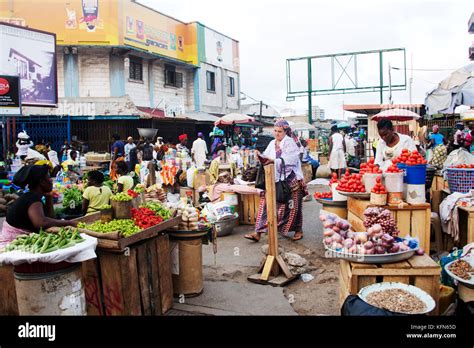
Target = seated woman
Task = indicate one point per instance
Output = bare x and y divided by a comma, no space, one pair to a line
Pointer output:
29,213
96,194
124,181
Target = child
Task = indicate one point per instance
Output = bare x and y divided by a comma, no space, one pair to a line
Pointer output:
96,194
125,181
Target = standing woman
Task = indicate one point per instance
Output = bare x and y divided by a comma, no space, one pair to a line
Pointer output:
118,154
290,214
337,150
29,214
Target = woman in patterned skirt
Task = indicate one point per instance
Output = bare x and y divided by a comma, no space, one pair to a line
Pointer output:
290,214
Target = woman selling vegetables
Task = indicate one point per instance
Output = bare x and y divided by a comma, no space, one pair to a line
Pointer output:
29,213
391,144
96,194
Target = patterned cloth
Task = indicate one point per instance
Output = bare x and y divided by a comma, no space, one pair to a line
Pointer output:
9,233
440,153
289,215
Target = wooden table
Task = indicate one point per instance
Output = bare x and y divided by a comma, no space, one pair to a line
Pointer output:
420,271
466,222
413,220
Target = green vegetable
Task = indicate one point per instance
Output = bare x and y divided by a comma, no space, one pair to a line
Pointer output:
105,206
72,198
126,226
159,209
43,242
121,197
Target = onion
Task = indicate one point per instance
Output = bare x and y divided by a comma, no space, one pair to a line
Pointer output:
336,229
404,247
348,243
323,217
345,225
350,235
328,241
370,251
336,238
377,228
328,224
361,237
419,251
328,233
368,245
353,249
379,249
394,249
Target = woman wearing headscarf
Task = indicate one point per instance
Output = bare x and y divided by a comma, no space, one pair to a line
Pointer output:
29,214
290,214
437,145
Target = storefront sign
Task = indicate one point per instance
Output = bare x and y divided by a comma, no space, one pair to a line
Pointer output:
10,95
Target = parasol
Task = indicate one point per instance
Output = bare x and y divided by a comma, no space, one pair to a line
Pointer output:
396,115
233,118
342,125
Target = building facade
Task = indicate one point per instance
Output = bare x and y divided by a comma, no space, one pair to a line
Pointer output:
123,52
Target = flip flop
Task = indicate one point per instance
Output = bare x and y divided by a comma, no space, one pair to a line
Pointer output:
251,237
295,238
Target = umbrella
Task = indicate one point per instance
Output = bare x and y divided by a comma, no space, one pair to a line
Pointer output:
396,115
341,125
231,119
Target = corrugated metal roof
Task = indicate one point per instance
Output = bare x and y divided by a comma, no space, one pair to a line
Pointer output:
201,116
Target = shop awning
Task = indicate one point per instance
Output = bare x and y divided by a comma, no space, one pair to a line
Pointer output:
151,113
200,116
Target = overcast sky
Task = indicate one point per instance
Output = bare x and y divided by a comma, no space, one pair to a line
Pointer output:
270,31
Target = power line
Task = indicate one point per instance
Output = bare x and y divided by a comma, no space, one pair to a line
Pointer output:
395,68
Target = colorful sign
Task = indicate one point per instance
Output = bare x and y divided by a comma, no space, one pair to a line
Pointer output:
10,95
75,22
154,32
30,55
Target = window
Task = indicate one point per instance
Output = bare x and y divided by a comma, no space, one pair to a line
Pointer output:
136,69
211,81
231,87
173,78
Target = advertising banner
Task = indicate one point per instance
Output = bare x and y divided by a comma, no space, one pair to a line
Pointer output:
221,50
30,55
10,103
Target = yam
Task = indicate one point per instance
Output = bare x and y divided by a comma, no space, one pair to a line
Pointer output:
10,203
3,207
3,201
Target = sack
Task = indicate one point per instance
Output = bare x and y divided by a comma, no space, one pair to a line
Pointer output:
355,306
283,189
260,178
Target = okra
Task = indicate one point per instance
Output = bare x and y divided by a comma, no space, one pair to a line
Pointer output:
54,248
46,244
70,244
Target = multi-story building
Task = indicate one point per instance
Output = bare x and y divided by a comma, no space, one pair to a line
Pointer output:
470,26
131,65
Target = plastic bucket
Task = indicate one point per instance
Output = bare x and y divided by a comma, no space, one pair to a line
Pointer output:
336,196
369,181
416,174
394,182
403,167
395,198
416,194
378,199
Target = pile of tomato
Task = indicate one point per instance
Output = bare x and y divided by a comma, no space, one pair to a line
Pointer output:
145,217
351,183
378,187
323,195
409,158
393,169
132,193
333,179
464,166
370,167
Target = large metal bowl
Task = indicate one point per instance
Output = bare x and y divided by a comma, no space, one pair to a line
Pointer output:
147,132
226,227
375,259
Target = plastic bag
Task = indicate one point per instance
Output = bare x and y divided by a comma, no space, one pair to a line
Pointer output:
355,306
459,156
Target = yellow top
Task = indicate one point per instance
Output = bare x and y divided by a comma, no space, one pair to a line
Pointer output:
126,181
97,197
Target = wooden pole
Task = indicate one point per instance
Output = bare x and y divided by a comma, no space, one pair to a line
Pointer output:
270,198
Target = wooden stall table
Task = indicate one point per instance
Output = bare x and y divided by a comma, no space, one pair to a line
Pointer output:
248,208
414,220
307,170
90,168
335,207
466,223
132,275
420,271
98,163
437,187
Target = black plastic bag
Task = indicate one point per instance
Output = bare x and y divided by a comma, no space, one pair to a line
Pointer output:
260,179
283,189
355,306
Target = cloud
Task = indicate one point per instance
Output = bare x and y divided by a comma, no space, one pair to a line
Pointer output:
434,33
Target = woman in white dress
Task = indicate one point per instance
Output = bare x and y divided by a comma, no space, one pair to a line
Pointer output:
337,150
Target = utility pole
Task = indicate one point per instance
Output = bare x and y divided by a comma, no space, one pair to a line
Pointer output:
411,78
261,107
390,100
310,91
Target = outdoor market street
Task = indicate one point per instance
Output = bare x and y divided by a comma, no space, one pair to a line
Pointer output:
228,292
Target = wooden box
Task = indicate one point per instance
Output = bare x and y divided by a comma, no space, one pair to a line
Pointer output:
248,209
413,220
420,271
135,282
8,301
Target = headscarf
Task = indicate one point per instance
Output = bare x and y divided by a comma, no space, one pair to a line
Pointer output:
182,137
200,135
30,174
286,127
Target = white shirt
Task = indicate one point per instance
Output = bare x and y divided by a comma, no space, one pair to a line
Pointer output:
290,154
128,148
350,145
385,154
53,157
337,142
23,149
199,150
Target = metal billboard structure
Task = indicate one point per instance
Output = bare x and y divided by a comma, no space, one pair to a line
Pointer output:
345,73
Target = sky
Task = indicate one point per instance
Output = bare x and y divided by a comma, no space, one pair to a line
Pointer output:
434,34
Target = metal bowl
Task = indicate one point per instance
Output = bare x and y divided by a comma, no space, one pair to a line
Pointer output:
226,227
361,195
147,132
375,259
330,202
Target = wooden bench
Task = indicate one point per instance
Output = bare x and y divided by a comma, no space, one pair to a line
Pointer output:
420,271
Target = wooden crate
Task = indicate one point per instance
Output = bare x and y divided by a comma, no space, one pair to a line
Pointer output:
414,220
420,271
8,301
135,282
248,209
